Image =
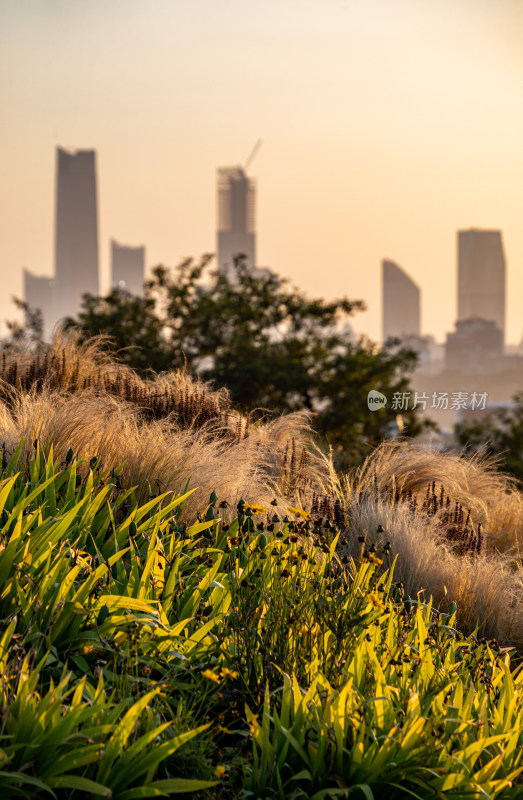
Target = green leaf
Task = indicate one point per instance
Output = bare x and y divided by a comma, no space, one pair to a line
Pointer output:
167,787
21,778
81,785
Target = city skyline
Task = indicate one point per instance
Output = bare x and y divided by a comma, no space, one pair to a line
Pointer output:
480,259
387,127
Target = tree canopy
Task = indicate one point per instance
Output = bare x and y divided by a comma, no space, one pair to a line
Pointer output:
500,433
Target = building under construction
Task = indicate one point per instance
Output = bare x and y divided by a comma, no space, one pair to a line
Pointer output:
236,228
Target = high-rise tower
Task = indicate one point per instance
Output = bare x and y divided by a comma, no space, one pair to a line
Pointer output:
236,229
127,268
39,294
76,242
481,276
401,302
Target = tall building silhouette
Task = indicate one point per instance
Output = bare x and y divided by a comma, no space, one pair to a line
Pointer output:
39,294
76,242
401,302
236,227
127,268
481,276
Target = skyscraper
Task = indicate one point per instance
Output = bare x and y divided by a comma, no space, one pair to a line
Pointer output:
76,242
39,294
127,268
481,276
236,228
401,302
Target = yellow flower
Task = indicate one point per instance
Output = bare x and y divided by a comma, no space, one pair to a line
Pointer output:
375,600
221,729
256,509
220,771
254,723
299,512
374,559
228,673
211,676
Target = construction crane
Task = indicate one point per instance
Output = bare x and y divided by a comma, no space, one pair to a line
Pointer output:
253,154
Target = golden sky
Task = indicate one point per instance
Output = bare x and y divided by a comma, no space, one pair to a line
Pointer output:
387,125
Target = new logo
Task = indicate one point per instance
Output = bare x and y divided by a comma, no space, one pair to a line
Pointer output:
376,400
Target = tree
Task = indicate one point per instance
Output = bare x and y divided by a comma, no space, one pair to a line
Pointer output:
271,346
27,336
501,434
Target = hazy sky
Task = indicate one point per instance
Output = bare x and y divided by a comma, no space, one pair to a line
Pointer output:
387,126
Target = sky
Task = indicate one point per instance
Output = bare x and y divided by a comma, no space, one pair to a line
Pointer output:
387,126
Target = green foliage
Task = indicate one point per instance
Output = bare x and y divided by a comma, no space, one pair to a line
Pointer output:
271,346
141,656
74,737
501,433
407,717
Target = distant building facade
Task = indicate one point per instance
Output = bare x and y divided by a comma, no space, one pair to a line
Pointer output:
236,224
76,241
39,294
431,354
475,346
127,268
401,302
481,277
